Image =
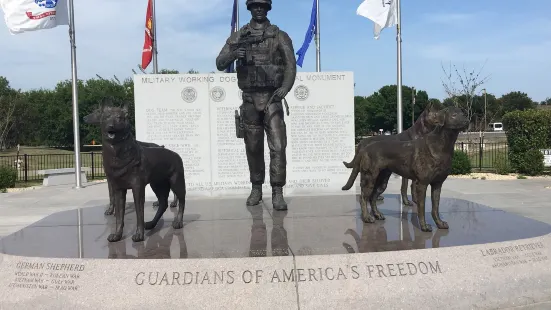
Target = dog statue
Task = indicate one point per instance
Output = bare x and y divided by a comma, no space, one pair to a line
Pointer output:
128,165
424,124
93,119
425,161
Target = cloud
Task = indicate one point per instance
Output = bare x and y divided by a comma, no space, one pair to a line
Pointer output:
109,40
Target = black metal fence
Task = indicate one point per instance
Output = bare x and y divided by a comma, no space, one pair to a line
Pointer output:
29,166
482,155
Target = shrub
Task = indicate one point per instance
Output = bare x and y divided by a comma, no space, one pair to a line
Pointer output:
461,163
8,176
532,163
502,165
526,131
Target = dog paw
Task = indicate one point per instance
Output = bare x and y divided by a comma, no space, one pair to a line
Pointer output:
156,204
149,225
177,224
138,237
442,225
378,215
114,237
174,204
380,198
368,218
109,211
426,227
408,203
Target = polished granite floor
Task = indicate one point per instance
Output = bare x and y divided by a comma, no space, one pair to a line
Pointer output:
217,228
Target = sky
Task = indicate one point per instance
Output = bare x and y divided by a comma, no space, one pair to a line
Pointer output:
510,41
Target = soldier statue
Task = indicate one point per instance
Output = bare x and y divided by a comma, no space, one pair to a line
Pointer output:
266,71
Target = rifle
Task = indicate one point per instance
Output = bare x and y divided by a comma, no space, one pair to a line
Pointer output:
245,41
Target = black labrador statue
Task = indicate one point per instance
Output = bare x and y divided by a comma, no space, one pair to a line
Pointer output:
424,124
129,165
425,161
94,119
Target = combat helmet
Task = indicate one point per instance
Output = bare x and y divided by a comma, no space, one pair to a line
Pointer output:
265,2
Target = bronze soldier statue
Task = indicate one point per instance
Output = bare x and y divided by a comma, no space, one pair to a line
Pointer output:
266,71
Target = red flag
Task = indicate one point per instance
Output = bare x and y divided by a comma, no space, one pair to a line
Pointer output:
147,52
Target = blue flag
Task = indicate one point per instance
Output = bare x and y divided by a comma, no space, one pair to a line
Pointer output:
310,32
233,28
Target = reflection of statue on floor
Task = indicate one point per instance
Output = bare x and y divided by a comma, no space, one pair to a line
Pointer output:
259,238
156,246
374,237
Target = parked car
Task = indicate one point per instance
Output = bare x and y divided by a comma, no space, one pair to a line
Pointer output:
496,126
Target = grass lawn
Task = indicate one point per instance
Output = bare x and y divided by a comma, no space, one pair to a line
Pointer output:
30,150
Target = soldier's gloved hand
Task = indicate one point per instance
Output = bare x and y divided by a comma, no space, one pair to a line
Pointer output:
280,93
239,53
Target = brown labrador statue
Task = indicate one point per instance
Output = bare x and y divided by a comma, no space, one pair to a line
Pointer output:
128,165
424,124
94,119
426,161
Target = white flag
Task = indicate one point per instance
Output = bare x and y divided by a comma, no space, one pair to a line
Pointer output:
31,15
381,12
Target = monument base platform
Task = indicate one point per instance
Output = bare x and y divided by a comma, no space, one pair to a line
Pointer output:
317,255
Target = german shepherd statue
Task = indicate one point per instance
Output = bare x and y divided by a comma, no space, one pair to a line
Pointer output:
94,119
426,161
128,165
425,123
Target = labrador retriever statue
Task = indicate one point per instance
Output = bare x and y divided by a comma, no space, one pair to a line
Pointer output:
424,124
425,161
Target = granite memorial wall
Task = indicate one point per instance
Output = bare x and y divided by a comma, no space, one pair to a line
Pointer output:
193,114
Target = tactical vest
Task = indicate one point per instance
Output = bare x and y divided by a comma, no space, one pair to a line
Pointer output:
263,66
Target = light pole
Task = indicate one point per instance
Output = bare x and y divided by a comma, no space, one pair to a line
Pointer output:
485,103
412,106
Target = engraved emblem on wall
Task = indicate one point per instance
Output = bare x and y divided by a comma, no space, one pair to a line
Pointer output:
189,94
301,92
217,94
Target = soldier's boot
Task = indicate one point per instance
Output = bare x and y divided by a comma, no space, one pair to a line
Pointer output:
278,202
256,195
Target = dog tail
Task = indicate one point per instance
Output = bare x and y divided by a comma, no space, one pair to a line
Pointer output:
348,165
355,170
351,163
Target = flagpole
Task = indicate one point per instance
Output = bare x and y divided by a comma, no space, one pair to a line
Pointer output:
76,123
154,26
236,17
236,28
399,82
318,53
399,64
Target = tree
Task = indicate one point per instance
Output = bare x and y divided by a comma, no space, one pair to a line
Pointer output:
462,87
169,71
516,100
378,111
43,117
10,106
485,108
7,107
